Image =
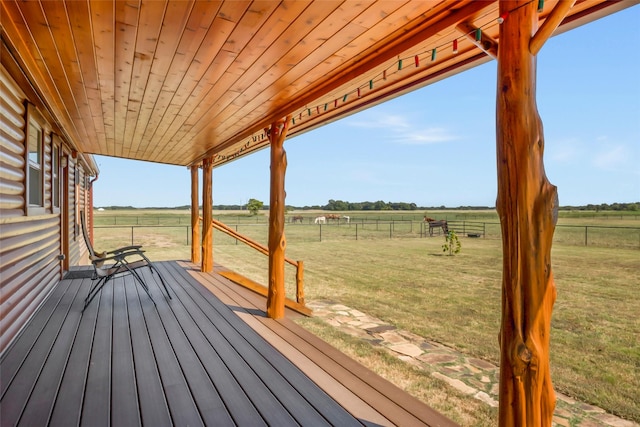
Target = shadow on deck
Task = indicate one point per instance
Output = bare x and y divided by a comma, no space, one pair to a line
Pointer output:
209,356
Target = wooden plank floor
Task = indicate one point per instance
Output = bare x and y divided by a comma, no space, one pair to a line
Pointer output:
208,356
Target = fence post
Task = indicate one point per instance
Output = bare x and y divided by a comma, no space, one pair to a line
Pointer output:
356,231
132,235
236,232
390,229
586,232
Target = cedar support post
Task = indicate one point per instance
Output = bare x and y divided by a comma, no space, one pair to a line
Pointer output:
277,133
207,215
196,246
527,205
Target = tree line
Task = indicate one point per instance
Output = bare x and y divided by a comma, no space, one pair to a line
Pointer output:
340,205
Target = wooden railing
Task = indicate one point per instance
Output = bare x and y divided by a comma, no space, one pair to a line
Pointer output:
299,265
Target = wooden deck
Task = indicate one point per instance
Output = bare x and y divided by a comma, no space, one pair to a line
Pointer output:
209,356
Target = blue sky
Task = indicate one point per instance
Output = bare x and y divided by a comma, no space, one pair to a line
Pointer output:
436,146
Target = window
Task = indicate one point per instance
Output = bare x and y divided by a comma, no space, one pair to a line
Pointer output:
55,178
35,162
36,171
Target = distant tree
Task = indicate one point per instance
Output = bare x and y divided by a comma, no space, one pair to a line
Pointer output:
254,206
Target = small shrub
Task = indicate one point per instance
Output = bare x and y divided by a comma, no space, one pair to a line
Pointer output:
451,243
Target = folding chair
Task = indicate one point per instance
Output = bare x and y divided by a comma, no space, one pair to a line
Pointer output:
109,264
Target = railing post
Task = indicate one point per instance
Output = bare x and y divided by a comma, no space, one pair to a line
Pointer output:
300,283
132,235
356,231
320,231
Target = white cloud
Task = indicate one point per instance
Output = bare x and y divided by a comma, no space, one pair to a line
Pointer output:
611,157
381,121
563,151
424,136
400,129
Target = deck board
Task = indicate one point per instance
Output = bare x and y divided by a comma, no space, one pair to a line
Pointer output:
277,371
68,407
97,395
311,354
125,394
207,356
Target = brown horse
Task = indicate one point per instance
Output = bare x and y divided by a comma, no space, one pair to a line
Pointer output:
297,218
333,217
438,224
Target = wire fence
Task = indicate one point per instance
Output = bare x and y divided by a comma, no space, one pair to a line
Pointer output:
145,231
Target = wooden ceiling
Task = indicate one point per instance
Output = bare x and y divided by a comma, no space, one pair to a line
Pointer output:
177,81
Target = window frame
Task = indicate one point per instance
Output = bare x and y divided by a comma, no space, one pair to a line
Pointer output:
56,155
34,118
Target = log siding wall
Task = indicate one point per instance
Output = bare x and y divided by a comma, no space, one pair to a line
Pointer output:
31,241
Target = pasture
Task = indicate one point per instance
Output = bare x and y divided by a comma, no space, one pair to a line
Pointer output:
393,273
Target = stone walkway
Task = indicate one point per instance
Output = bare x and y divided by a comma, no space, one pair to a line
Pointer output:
474,377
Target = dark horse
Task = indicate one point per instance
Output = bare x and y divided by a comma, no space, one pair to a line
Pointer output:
297,218
438,224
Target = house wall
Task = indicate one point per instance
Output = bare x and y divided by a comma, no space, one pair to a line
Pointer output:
33,237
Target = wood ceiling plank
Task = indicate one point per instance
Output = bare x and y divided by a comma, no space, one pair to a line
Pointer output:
348,54
131,79
79,17
221,72
190,41
126,30
173,26
258,104
102,24
289,39
221,30
149,25
319,43
77,102
252,29
413,35
46,63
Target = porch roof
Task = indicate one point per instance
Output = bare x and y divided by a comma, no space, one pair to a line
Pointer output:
191,360
178,81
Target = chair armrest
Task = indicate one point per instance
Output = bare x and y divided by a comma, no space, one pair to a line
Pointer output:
125,249
98,261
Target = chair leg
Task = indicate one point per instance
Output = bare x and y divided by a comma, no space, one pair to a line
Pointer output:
139,279
95,289
164,284
155,270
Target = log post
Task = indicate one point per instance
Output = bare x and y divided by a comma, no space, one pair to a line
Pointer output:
196,246
527,205
277,241
207,215
300,283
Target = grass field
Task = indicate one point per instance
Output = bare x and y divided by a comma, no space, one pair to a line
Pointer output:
407,281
